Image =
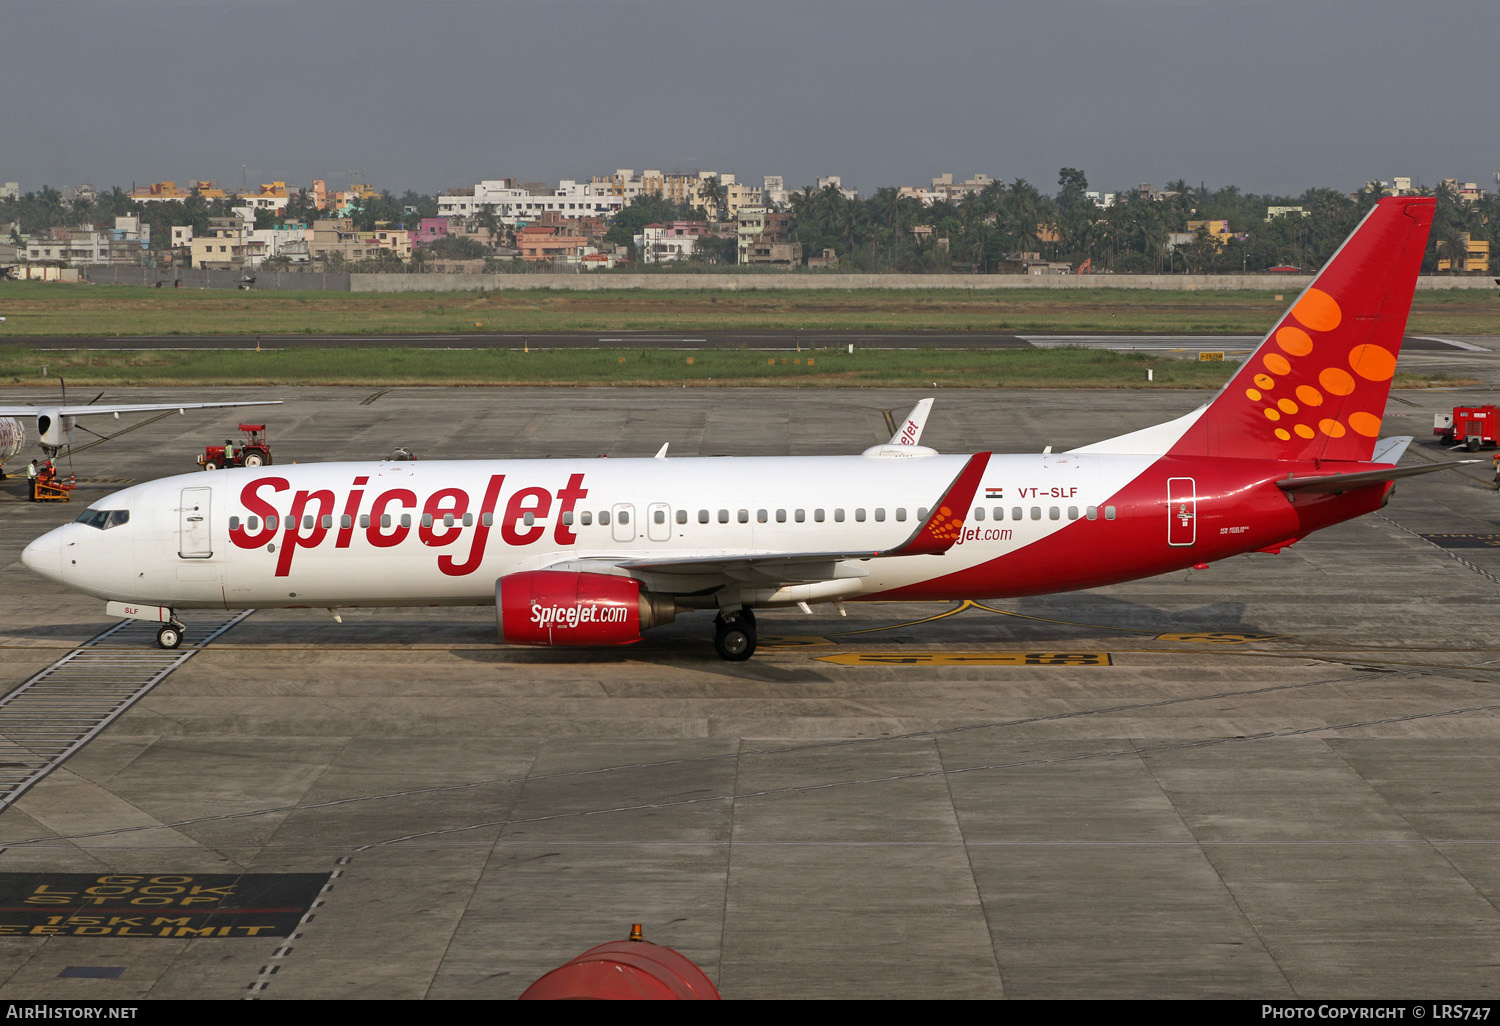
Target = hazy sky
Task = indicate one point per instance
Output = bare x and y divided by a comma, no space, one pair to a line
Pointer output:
1271,95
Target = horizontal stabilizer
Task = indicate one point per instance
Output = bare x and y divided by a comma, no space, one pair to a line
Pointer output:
1334,483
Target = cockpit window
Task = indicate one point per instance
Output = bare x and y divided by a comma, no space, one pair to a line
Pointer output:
104,519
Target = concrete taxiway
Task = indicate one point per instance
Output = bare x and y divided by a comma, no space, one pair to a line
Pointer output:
1271,779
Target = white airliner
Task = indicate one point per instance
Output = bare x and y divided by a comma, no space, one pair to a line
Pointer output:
595,551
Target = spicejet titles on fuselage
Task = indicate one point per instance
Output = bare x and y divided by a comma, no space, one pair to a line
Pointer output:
306,522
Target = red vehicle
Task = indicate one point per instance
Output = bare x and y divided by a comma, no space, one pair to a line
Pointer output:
253,451
1469,426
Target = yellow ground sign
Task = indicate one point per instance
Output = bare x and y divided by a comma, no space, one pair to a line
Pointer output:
968,659
1217,637
1207,357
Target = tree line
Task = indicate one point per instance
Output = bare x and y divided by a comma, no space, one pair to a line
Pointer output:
987,229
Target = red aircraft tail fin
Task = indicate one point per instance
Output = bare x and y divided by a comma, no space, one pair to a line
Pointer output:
1317,386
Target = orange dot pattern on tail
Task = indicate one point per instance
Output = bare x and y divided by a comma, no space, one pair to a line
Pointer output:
1298,368
945,525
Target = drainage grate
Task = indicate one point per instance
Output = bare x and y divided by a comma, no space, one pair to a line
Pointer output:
64,707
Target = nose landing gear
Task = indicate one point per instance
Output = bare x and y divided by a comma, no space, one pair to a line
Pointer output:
170,635
734,635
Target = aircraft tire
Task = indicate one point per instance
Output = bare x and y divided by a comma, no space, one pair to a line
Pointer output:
736,643
170,636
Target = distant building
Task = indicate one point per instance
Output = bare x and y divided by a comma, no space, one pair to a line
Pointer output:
10,190
335,238
944,185
516,205
1284,212
669,243
226,246
86,246
428,231
774,189
838,183
166,192
1476,257
549,243
1218,230
762,236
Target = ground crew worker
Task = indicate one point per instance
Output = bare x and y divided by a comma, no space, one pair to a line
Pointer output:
228,453
31,473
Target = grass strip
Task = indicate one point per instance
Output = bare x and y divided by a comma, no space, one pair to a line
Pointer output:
54,310
814,368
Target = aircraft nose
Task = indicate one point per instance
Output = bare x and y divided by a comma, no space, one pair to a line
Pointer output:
44,556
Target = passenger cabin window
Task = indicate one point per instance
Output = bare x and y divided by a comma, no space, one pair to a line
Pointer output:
801,516
999,512
744,516
880,515
1109,512
761,516
838,516
781,516
1036,512
901,514
1092,512
978,512
703,516
1072,512
1053,513
723,516
567,519
624,517
682,516
604,517
859,515
659,516
586,518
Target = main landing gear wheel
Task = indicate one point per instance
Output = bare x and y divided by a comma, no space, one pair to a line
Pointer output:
170,636
734,636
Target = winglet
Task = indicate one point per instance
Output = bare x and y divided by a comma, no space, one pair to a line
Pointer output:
945,524
910,431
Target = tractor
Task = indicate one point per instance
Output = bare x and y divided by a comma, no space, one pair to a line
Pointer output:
253,451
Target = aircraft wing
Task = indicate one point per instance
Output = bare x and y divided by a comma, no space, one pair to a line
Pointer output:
79,411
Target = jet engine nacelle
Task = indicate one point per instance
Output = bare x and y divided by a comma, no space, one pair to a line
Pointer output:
12,437
53,430
564,607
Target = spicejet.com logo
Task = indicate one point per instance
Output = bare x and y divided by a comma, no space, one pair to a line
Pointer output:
573,616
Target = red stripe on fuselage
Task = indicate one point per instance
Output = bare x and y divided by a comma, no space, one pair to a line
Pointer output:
1238,509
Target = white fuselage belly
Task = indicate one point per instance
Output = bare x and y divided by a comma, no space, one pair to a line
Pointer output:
771,505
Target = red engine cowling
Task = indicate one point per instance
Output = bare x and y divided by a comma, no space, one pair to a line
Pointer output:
561,607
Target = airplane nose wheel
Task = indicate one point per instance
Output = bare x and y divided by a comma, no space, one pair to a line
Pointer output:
734,636
170,636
